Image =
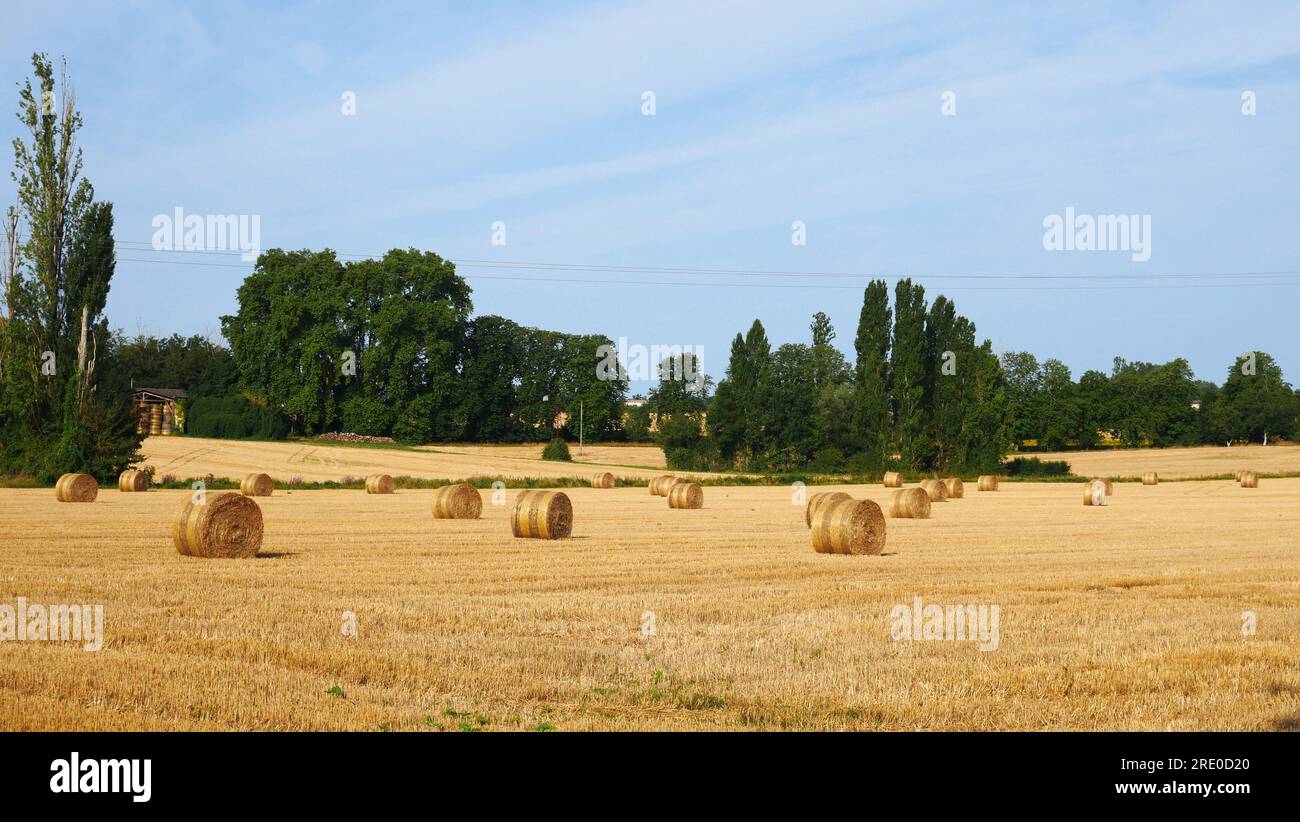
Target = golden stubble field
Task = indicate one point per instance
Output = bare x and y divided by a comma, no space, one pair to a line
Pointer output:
1123,617
603,453
191,457
1173,463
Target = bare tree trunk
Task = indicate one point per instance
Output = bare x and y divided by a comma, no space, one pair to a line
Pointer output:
8,274
11,260
83,377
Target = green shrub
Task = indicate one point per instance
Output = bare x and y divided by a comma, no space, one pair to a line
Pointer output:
367,415
558,450
827,461
234,417
636,425
1034,467
702,456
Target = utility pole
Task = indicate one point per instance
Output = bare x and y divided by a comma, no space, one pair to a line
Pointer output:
582,418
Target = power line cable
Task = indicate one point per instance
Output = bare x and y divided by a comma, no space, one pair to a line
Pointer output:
819,286
603,268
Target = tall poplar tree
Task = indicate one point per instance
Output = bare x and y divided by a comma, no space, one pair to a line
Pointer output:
872,415
908,374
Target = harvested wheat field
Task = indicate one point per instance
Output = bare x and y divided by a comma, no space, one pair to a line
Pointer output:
1179,463
1123,617
190,457
602,453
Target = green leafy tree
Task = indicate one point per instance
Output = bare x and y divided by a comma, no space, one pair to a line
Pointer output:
203,367
376,345
955,398
289,336
98,434
943,360
683,388
636,422
1094,404
908,374
1254,405
726,420
63,405
1024,384
790,400
828,365
756,392
1207,395
407,314
493,350
562,387
1059,406
872,418
987,432
835,437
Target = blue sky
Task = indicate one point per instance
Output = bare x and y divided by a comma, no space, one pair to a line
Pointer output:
766,113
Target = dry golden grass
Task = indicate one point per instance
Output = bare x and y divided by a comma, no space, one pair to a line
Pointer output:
1176,463
186,457
1127,616
644,456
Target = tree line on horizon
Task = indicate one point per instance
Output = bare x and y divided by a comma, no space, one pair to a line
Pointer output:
1145,404
922,395
803,407
387,347
796,407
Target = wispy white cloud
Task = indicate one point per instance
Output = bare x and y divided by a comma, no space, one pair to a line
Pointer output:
824,112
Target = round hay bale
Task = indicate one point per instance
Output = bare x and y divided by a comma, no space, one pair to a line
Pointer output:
1150,478
1110,486
659,485
1249,479
936,489
76,488
685,495
603,480
849,526
988,482
1095,493
380,484
542,515
893,479
224,526
257,485
954,487
133,480
816,501
910,503
1240,471
459,501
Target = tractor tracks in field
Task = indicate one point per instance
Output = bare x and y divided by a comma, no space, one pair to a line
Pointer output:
189,456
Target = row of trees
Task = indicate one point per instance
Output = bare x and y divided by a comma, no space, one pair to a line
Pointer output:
64,402
198,364
1142,403
387,348
922,395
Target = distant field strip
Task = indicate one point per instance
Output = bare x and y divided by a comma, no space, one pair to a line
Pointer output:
1174,463
186,457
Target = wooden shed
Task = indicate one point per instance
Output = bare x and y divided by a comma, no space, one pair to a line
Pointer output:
158,411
